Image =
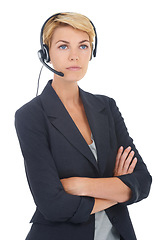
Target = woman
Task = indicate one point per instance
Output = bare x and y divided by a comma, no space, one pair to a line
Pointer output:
81,164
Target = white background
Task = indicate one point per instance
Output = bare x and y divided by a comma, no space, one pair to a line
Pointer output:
127,68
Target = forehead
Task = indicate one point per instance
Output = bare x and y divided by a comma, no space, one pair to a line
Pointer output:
69,34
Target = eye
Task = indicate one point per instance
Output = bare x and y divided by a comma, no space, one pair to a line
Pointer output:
63,47
83,47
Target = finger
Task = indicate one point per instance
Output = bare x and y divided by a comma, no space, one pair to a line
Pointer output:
123,158
119,153
128,162
132,166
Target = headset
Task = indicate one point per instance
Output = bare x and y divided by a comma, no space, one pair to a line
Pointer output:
43,53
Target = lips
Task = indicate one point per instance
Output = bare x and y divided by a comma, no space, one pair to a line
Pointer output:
74,68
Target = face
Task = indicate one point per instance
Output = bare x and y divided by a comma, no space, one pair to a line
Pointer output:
70,52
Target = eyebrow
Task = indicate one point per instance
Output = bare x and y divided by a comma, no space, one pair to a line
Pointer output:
68,42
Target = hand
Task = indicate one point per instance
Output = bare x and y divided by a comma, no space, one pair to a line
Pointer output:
125,163
74,185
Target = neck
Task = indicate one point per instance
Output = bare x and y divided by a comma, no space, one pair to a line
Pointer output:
68,92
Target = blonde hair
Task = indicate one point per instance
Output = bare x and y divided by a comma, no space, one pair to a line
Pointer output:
75,20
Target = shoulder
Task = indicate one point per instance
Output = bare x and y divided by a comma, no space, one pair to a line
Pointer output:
106,101
110,105
30,112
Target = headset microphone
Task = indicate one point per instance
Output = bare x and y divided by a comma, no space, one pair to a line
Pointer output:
40,54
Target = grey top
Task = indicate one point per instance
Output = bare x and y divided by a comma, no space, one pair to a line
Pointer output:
104,229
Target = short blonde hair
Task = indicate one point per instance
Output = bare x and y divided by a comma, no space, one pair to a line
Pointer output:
75,20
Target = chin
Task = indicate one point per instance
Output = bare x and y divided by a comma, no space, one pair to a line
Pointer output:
73,77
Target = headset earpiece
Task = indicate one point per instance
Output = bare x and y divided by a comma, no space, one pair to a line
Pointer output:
44,54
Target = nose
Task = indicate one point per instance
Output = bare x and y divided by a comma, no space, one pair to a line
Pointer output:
73,56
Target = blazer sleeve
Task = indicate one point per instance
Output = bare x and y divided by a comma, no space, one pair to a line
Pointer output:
48,193
140,180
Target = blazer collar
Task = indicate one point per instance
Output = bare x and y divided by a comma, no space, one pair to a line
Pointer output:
54,107
97,118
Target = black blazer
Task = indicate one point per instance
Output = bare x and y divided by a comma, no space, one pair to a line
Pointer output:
53,148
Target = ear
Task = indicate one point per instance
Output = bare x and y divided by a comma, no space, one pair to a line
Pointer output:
91,52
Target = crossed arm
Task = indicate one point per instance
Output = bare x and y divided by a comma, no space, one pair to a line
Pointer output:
106,191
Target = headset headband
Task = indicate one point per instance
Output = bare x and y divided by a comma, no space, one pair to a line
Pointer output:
57,14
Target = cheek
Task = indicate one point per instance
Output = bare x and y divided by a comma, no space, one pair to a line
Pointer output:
55,59
86,62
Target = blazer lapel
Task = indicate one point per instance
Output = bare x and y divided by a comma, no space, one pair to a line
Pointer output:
61,120
98,121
